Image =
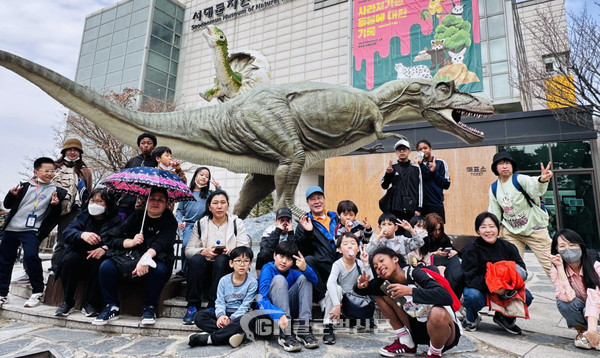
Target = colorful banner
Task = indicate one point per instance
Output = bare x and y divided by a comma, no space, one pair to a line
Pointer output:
394,39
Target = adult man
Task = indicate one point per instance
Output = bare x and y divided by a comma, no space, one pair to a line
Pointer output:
436,179
524,221
283,230
146,142
405,196
316,240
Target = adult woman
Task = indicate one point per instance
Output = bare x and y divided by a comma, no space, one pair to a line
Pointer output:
575,274
76,178
85,240
212,238
189,212
437,249
475,257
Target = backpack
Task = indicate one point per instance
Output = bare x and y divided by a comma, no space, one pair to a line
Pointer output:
67,179
518,186
445,284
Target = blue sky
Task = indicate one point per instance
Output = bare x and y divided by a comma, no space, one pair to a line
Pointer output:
48,32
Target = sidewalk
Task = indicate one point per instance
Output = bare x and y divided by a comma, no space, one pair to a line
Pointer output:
544,335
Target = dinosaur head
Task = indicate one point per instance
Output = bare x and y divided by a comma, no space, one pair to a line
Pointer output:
215,37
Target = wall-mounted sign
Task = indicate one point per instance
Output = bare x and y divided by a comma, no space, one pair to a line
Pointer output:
476,171
230,9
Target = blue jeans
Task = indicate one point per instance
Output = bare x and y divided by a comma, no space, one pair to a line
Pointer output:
185,238
573,312
296,301
109,278
474,300
31,259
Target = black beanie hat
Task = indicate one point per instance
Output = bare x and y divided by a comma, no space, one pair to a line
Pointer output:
146,135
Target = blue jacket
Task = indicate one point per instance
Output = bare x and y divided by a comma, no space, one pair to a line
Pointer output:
434,183
264,283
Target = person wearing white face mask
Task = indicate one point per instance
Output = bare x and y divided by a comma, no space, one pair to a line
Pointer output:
575,274
86,249
188,212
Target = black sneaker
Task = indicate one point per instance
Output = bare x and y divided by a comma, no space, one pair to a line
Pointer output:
198,339
108,314
471,326
148,317
89,310
508,323
64,309
188,319
306,337
289,342
328,335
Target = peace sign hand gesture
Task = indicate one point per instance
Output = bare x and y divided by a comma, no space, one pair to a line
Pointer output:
300,262
363,280
364,255
546,173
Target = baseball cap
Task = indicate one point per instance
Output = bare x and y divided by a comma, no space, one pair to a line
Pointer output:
283,212
314,189
401,142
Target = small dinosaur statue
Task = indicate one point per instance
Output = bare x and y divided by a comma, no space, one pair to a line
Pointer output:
273,131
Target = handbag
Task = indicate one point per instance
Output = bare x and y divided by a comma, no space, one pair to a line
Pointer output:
126,260
357,306
385,202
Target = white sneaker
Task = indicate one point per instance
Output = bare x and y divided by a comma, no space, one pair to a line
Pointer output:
34,301
3,300
236,339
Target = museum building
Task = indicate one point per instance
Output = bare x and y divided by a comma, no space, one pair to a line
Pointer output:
159,47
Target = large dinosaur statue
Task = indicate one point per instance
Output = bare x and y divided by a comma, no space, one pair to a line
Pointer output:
274,131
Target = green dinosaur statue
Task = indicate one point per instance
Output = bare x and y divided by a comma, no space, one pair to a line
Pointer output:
227,81
274,131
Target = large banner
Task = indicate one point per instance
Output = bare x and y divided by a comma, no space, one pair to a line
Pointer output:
436,39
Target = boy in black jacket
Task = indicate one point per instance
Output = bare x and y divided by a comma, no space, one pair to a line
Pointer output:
425,306
35,210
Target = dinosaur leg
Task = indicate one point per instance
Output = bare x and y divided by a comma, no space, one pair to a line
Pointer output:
379,131
256,187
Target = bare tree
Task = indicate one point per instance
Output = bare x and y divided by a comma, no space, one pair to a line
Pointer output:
560,67
104,153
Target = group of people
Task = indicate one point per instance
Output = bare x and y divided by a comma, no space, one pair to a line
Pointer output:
407,266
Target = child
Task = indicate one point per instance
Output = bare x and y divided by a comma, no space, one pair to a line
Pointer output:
35,210
287,294
347,211
234,296
283,230
165,161
436,325
342,278
387,236
419,224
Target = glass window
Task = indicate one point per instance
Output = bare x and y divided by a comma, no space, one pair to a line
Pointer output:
124,9
500,67
156,76
108,15
498,50
139,16
157,61
166,6
92,22
136,44
173,70
484,52
106,29
180,13
162,33
134,59
171,96
122,22
83,74
132,74
118,50
97,83
178,27
140,4
571,155
88,47
90,34
154,90
493,6
175,55
177,40
102,55
578,206
496,26
501,86
164,19
160,46
120,36
104,42
483,29
528,157
113,78
172,82
116,64
86,60
100,69
137,30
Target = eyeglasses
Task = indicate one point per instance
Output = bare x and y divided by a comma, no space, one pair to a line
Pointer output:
242,262
48,171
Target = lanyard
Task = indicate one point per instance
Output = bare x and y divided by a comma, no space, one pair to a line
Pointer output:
38,196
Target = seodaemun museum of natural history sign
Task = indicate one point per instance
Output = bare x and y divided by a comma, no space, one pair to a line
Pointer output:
230,9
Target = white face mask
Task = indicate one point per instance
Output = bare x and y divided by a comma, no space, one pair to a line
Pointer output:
164,167
73,160
96,209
